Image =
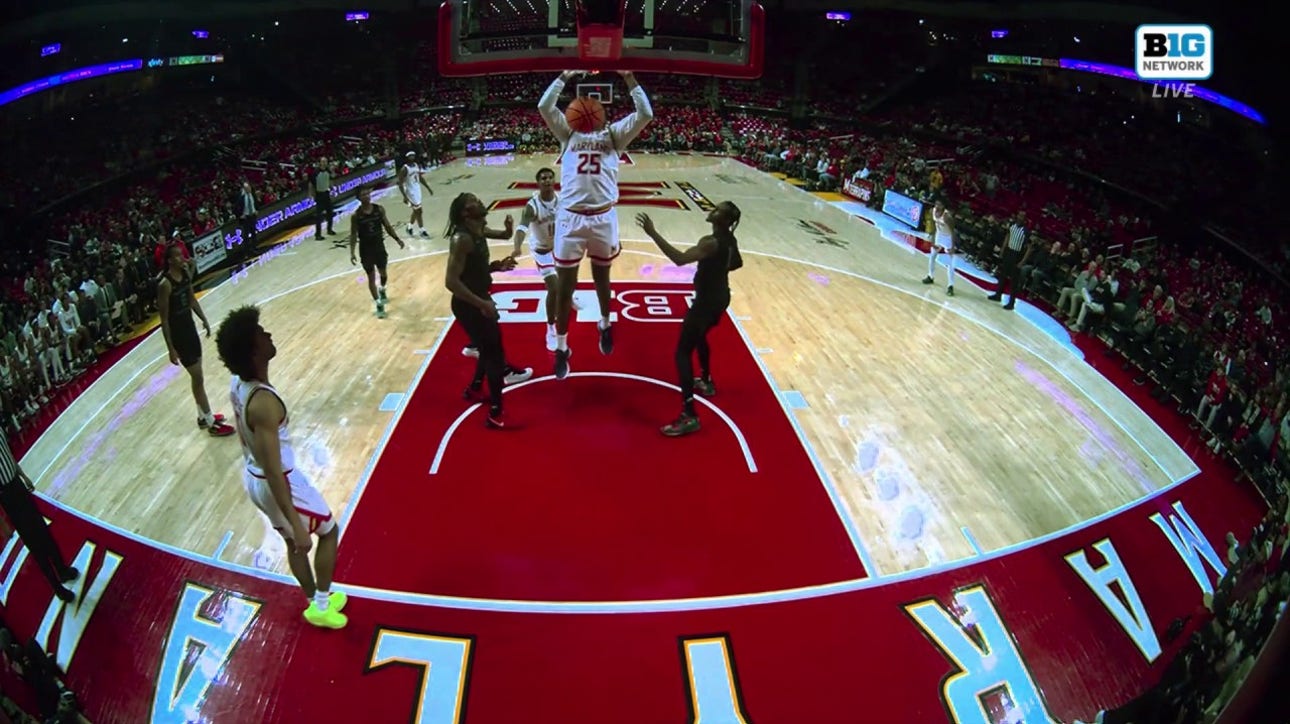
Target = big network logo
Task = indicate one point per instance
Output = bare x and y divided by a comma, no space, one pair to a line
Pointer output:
1174,52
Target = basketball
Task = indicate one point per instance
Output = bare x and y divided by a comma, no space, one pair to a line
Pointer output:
585,114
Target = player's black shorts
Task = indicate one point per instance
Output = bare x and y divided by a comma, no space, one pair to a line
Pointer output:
188,344
707,310
373,260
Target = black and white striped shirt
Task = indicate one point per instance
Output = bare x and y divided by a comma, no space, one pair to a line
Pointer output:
1016,237
8,466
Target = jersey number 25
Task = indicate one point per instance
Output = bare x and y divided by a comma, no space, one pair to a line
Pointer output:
589,164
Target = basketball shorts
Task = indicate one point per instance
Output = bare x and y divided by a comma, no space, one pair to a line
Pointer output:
414,196
706,312
578,235
306,499
946,242
545,261
188,344
373,259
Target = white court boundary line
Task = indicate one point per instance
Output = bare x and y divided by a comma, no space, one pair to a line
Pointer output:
734,428
956,310
839,506
157,358
357,496
638,606
611,607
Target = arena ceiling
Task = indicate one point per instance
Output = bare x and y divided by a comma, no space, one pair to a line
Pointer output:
25,19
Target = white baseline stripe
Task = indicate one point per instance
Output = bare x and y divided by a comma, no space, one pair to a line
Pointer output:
839,506
357,495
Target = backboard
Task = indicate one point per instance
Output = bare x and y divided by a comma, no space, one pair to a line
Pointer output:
723,38
603,92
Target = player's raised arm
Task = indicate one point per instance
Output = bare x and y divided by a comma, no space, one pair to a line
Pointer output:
546,106
625,130
706,247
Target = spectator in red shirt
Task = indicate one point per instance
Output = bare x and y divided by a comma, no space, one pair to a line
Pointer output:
1215,394
159,252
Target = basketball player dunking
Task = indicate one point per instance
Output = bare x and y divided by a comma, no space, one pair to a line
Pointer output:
177,302
367,232
410,184
293,505
470,277
717,255
587,223
943,244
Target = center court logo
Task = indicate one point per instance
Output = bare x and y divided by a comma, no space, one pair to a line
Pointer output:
1173,52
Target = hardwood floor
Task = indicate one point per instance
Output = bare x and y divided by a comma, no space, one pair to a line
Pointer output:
945,424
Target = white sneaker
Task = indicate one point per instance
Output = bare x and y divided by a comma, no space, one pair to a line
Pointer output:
470,352
425,234
409,229
550,340
519,376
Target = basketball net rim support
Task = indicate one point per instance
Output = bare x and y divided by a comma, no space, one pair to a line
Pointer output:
600,48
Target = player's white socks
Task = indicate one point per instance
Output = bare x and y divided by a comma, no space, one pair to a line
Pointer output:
321,599
949,264
206,416
562,342
550,329
604,322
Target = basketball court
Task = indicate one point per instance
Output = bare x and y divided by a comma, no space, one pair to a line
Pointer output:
902,506
872,443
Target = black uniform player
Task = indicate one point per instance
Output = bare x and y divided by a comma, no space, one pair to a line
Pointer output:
177,303
469,278
367,231
717,255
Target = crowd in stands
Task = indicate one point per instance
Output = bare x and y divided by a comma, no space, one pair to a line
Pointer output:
94,145
1230,627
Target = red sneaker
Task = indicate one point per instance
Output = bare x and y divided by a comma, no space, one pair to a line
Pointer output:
220,429
202,423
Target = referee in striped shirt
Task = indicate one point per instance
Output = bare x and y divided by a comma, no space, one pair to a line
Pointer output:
1015,253
20,507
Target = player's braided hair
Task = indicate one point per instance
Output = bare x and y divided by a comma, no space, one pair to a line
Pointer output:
736,260
456,214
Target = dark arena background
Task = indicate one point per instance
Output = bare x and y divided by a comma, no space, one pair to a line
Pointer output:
1040,479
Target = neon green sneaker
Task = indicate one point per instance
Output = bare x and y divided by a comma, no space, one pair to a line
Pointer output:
336,601
331,618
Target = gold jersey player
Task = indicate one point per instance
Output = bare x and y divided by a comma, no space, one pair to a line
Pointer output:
282,492
717,254
587,223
